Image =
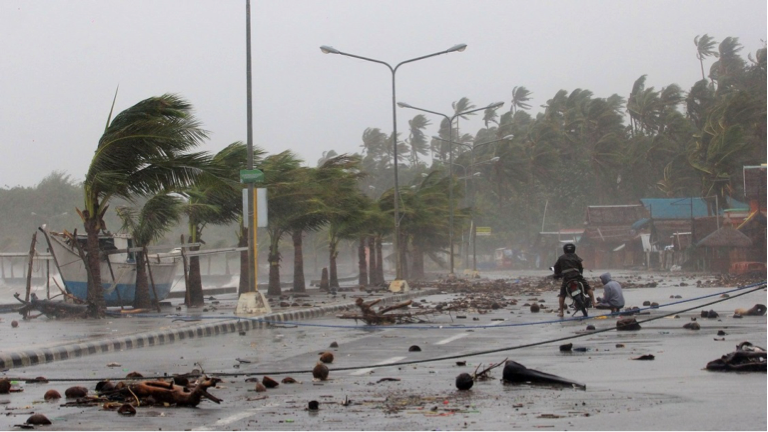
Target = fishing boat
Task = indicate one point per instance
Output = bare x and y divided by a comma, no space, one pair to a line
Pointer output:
118,270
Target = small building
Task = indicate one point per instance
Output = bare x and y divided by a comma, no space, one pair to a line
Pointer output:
723,247
608,230
549,244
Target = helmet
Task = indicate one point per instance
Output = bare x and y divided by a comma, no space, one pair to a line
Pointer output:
569,248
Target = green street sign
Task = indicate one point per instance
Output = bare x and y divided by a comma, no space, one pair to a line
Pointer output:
251,176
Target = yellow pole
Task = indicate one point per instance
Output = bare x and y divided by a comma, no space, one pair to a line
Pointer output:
254,229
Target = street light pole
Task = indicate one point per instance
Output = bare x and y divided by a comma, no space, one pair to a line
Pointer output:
472,159
456,48
252,269
450,161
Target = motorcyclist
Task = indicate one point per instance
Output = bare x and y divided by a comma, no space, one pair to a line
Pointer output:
568,267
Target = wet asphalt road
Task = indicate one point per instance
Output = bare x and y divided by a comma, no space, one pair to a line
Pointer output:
672,392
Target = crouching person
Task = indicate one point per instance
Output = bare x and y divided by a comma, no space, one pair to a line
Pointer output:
613,298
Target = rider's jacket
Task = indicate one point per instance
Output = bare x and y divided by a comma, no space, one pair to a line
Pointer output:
568,266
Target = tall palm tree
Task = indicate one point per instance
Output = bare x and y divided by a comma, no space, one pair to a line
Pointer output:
520,97
344,206
417,140
144,150
728,71
146,225
282,175
704,48
310,214
215,200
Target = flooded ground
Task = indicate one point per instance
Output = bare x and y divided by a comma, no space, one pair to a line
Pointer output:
377,383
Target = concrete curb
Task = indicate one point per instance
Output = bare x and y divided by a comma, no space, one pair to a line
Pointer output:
32,357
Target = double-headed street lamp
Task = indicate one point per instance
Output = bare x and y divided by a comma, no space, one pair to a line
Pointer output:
472,228
450,167
456,48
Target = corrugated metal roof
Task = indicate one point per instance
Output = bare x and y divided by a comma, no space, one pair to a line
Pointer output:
675,208
614,215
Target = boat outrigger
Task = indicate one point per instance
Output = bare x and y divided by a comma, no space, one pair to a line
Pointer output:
118,268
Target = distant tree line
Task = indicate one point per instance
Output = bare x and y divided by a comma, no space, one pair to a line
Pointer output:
580,150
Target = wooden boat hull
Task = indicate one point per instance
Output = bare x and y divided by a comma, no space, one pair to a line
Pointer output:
118,275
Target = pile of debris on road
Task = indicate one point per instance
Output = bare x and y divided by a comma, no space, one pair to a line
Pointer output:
484,295
697,280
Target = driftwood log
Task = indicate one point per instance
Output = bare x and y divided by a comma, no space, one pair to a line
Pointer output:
53,309
147,393
385,315
167,392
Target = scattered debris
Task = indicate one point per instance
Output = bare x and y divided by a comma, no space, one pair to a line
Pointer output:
414,348
38,419
168,393
76,392
645,357
464,381
746,358
126,409
269,382
387,379
53,309
334,344
756,310
52,395
320,371
289,380
484,374
516,373
692,326
627,324
384,315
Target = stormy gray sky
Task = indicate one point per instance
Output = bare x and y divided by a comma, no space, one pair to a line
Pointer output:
62,61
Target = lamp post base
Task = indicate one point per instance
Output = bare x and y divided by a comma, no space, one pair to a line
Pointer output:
252,303
399,286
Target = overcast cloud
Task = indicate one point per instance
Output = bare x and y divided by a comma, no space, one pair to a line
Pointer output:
63,60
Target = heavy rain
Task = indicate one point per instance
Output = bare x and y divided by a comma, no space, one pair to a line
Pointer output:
339,215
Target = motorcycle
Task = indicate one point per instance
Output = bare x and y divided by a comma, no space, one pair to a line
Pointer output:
579,300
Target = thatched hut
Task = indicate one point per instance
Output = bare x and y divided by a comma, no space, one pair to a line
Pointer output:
723,247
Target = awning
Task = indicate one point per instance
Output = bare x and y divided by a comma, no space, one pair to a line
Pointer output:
640,223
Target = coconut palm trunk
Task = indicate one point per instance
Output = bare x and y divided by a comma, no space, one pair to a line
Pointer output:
274,271
141,299
379,262
362,265
372,271
196,297
95,289
195,280
299,284
333,276
418,263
